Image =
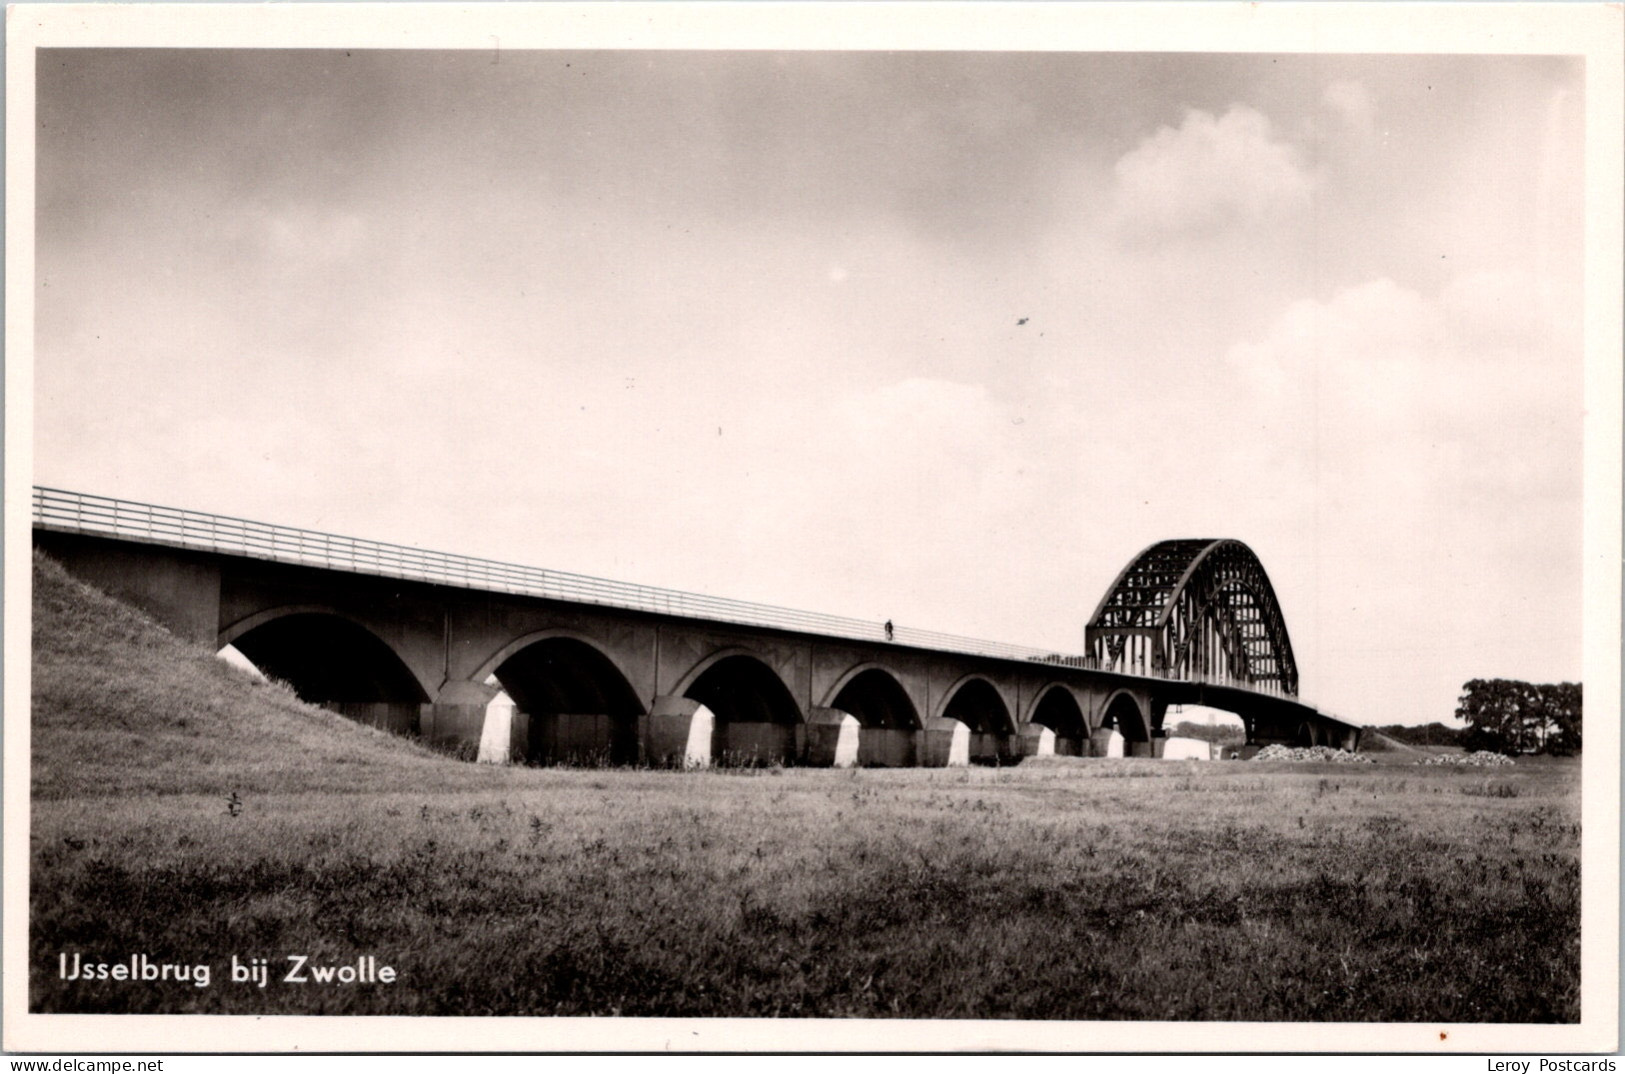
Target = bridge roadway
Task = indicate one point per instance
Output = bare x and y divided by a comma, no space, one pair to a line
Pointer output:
615,678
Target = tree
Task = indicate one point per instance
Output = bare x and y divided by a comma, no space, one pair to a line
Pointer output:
1511,716
1564,701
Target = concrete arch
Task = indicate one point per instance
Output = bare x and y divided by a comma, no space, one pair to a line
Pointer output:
940,710
853,672
230,634
704,668
1115,709
1056,708
574,703
242,626
992,734
888,720
710,660
1078,698
756,718
866,668
525,641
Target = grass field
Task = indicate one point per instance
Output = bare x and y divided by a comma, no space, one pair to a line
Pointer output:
1062,888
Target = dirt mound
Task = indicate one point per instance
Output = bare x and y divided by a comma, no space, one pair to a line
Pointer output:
1481,759
1310,753
120,705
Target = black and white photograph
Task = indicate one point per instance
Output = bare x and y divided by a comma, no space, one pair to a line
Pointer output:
813,528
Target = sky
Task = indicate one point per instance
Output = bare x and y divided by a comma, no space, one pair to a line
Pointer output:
944,338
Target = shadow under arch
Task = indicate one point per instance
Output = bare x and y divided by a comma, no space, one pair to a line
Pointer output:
888,723
978,705
1058,710
334,661
525,641
577,705
1122,714
755,717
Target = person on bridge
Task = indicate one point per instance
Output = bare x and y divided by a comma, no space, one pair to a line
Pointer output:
888,630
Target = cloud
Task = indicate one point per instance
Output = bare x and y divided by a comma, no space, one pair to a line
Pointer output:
1453,397
1353,104
1431,444
1209,173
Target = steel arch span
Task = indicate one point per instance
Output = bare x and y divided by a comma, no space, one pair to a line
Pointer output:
1202,610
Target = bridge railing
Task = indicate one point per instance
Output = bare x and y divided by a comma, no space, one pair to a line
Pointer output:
131,520
78,512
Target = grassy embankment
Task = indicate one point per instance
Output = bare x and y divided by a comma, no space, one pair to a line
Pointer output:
1059,889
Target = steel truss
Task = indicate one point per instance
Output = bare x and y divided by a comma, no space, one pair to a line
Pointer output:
1202,610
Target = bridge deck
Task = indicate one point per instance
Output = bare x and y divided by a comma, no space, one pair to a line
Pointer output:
74,512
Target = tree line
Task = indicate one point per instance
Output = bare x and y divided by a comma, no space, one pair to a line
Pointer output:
1502,715
1509,716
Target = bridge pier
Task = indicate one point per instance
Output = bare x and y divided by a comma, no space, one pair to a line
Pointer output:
1158,709
663,733
455,719
937,741
823,735
505,738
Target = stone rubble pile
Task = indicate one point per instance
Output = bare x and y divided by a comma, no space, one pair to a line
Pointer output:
1481,759
1310,753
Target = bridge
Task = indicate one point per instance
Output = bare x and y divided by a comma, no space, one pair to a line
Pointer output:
421,643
